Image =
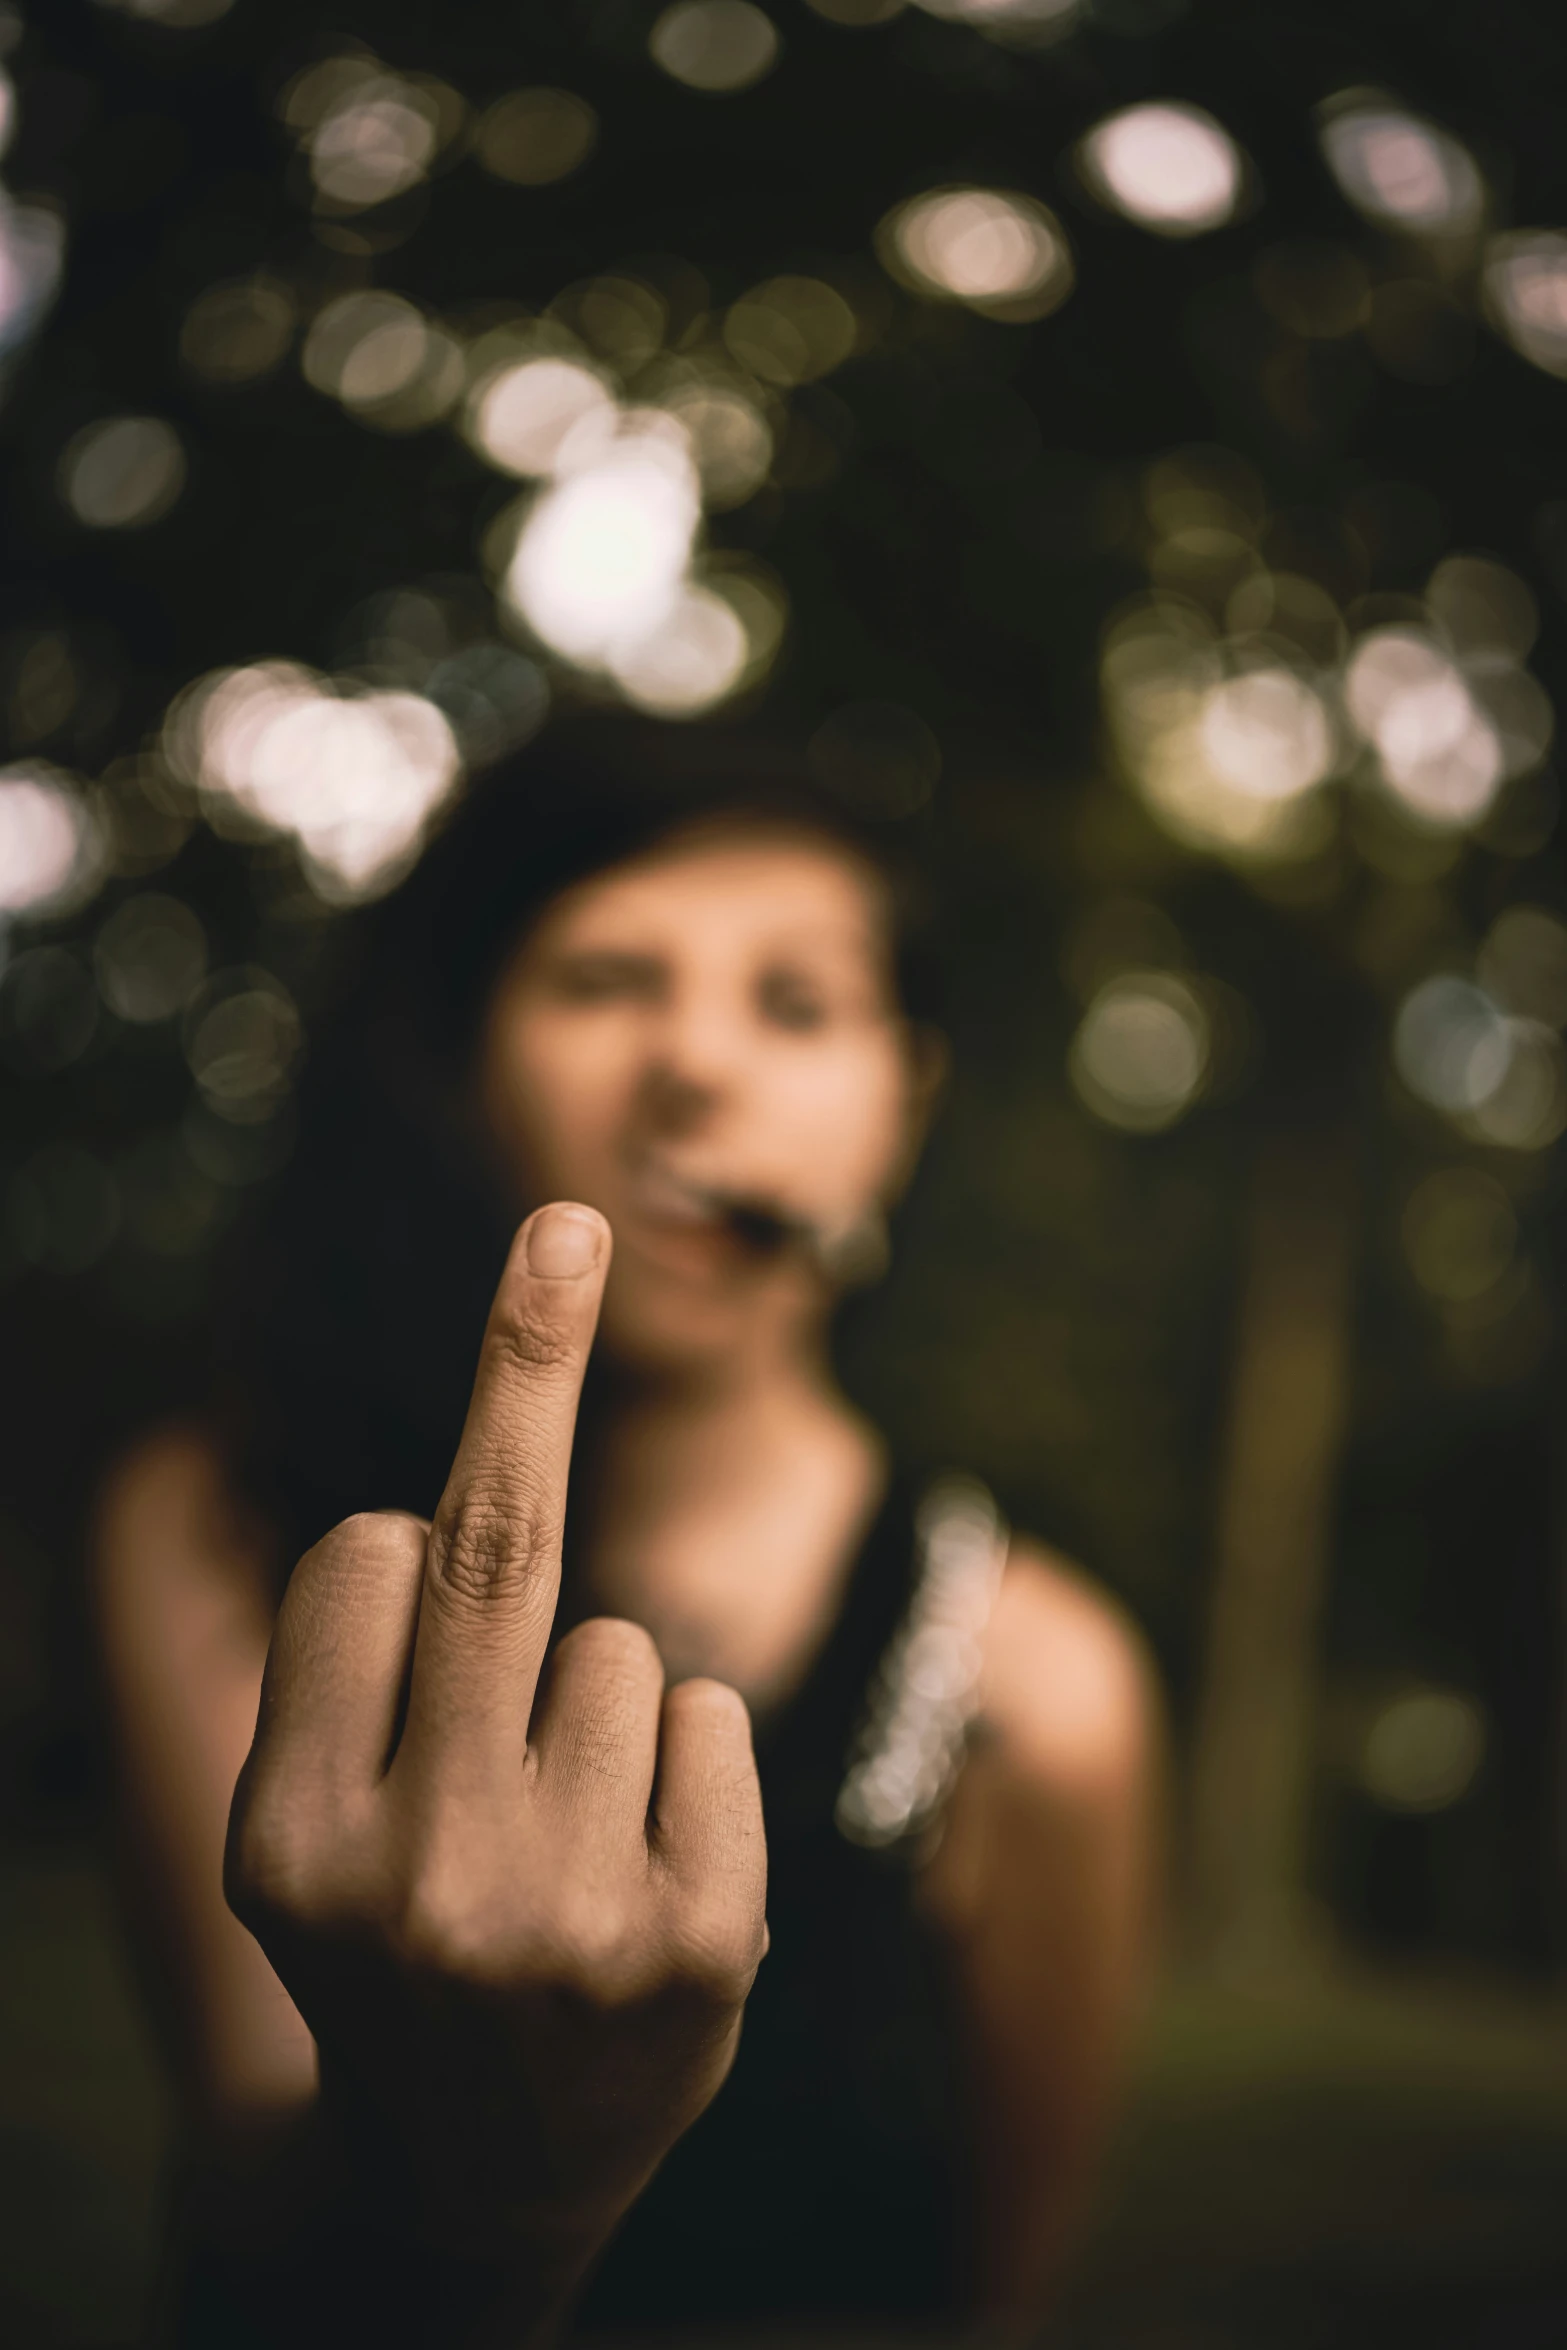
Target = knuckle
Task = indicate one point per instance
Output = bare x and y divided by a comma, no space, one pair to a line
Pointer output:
715,1950
364,1530
712,1706
577,1943
443,1936
615,1650
272,1864
365,1537
532,1344
482,1544
592,1949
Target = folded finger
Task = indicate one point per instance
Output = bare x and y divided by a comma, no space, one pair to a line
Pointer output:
340,1652
707,1809
594,1735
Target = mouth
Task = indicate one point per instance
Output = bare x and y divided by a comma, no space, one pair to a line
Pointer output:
678,1203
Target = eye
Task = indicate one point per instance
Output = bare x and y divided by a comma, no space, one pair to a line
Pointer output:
789,1000
606,977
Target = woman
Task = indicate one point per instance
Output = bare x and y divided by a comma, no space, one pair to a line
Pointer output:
501,1831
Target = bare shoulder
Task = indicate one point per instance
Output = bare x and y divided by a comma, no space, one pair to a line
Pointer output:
173,1465
167,1484
165,1518
1068,1686
1064,1787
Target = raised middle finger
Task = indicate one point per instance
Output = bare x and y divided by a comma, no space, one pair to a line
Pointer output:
492,1571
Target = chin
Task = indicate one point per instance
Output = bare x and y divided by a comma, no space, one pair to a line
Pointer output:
655,1325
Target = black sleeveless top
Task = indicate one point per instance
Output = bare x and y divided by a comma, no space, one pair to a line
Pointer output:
820,2183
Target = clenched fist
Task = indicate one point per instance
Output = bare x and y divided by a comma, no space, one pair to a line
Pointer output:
520,1918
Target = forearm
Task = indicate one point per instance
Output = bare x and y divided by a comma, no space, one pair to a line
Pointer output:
183,1622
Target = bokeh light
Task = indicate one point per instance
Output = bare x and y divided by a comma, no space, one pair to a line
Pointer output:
1116,934
1001,253
1171,168
1459,1232
372,145
1423,1749
386,362
1227,746
1023,23
1233,692
1437,750
32,253
369,134
857,13
238,330
1140,1054
617,317
242,1036
51,850
149,955
1266,734
1526,294
1450,1044
1399,169
353,777
1485,607
1523,964
1500,1077
425,638
790,330
122,472
494,697
235,1156
717,45
1527,1109
603,554
535,137
731,440
519,417
147,817
692,659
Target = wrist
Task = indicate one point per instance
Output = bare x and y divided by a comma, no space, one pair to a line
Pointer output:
440,2274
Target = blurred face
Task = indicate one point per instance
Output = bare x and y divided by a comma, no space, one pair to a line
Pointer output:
703,1043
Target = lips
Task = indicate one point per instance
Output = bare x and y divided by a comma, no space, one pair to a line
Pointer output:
662,1196
706,1222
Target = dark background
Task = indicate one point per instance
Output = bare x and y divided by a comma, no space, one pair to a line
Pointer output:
1353,2111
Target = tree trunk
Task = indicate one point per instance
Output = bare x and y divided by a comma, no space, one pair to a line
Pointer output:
1255,1734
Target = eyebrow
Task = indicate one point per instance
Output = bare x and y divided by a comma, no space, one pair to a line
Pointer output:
854,938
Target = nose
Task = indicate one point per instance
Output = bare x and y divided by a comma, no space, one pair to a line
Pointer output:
696,1061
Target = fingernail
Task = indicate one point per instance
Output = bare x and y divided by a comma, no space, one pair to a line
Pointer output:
564,1242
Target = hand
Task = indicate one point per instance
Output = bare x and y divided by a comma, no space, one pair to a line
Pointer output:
521,1922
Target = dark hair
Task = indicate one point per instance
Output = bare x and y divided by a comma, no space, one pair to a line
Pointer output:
354,1310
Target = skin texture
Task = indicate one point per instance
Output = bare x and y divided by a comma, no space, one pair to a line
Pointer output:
527,1937
715,1020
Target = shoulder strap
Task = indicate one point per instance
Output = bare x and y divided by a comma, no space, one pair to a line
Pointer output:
801,1744
922,1699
